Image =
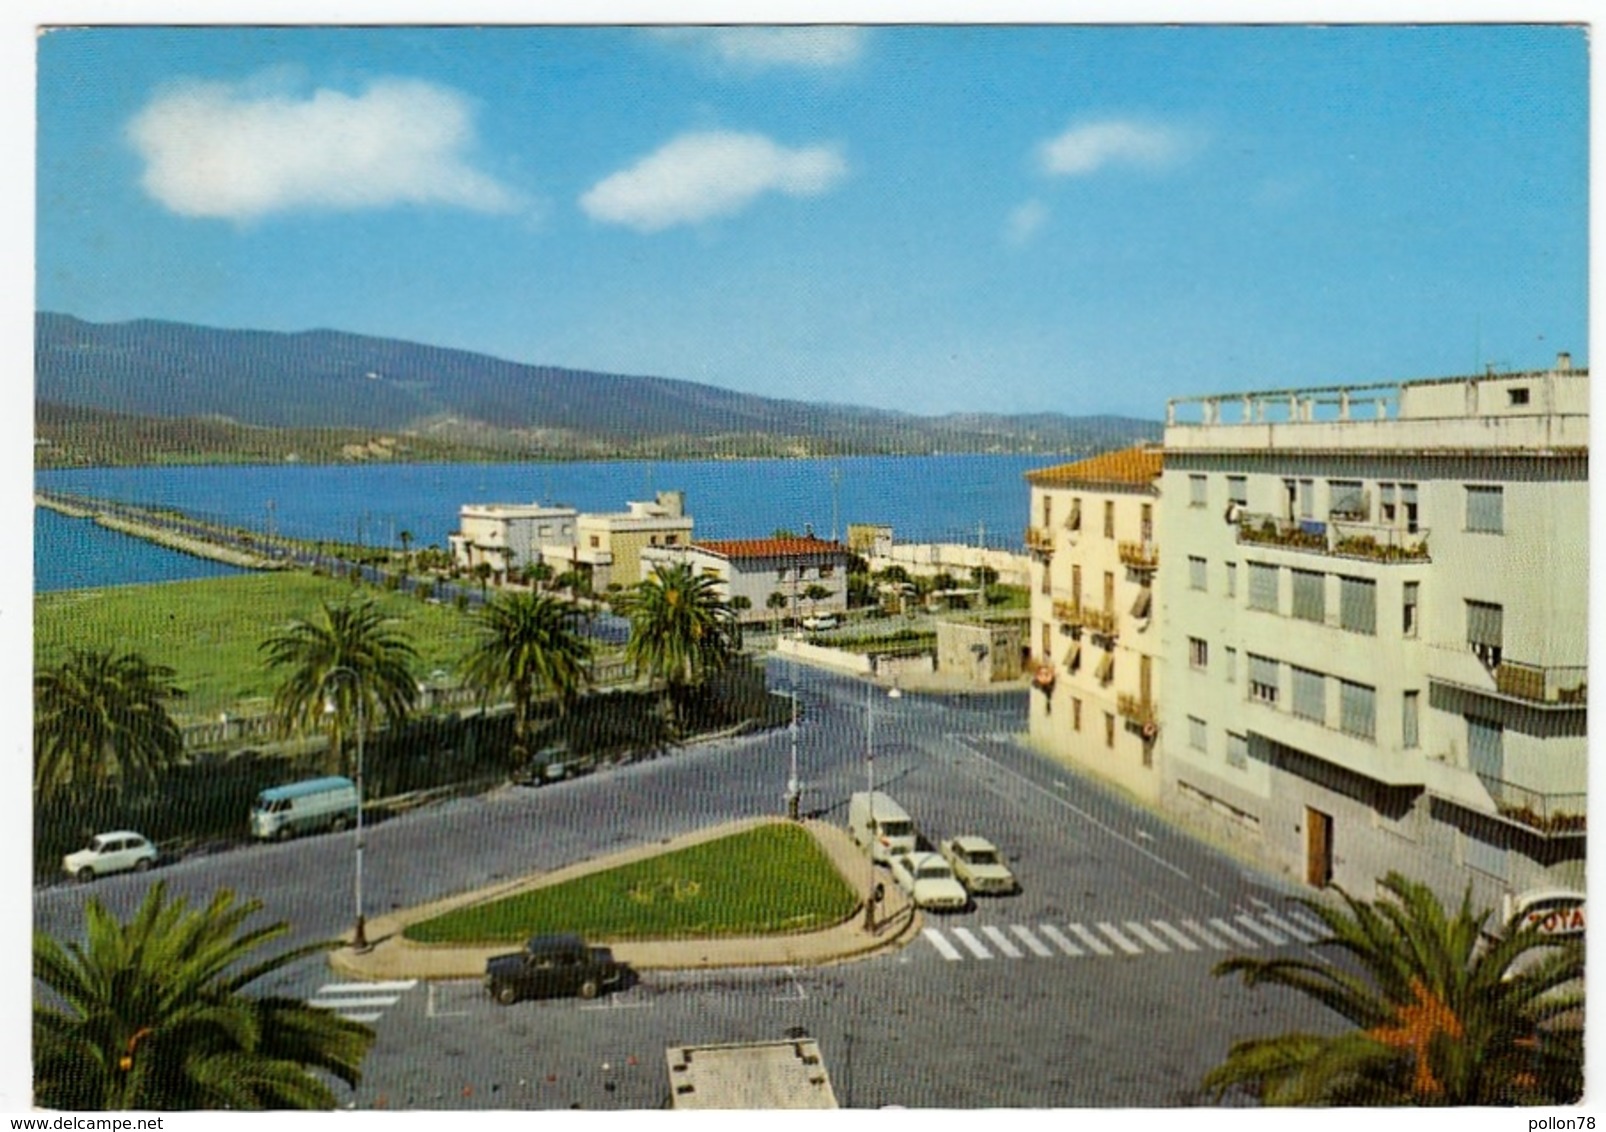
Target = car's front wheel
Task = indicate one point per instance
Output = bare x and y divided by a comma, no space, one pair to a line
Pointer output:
589,989
86,874
142,865
505,993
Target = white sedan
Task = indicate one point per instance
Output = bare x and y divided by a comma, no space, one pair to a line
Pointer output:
929,881
818,621
979,866
110,853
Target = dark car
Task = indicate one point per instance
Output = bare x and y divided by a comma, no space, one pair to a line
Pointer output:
551,765
552,965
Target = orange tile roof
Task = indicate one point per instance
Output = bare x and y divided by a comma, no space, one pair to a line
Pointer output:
1140,465
771,547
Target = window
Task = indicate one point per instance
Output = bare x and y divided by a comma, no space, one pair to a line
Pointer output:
1486,510
1047,587
1485,631
1347,500
1109,592
1196,573
780,575
1486,748
1047,639
1048,511
1197,491
1409,720
1237,750
1408,505
1357,605
1263,587
1198,737
825,571
1238,490
1109,518
1308,694
1106,669
1232,666
1076,714
1307,499
1232,579
1198,653
1073,659
1517,396
1109,730
1387,503
1146,523
1073,521
1411,590
1262,679
1357,710
596,540
1076,585
1310,595
671,540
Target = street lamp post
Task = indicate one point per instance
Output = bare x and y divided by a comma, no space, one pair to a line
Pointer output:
794,788
359,937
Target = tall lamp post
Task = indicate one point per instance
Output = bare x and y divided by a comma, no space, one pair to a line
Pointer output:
359,937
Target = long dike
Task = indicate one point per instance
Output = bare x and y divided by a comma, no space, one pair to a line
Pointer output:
191,544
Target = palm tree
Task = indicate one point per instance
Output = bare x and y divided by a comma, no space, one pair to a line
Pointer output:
150,1014
680,630
1442,1015
528,643
777,601
322,653
100,718
814,594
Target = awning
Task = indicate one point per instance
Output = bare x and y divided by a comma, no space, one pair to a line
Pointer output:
1140,607
1073,659
1106,669
1073,521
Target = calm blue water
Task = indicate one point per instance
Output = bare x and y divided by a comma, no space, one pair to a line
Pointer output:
923,498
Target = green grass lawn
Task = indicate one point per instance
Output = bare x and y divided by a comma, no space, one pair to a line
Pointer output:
208,631
770,880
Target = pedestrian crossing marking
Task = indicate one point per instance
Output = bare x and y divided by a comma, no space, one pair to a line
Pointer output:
1057,938
944,948
1038,946
1118,939
1146,936
1265,933
1175,936
356,1001
1233,933
1002,941
1309,921
1278,922
1199,930
1092,941
972,944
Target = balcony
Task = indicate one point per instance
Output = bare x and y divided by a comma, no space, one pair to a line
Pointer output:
1139,555
1069,612
1340,538
1039,540
1100,621
1552,814
1139,709
1540,685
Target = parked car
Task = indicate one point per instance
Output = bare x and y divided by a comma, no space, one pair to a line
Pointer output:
554,764
116,852
978,865
817,621
929,881
553,965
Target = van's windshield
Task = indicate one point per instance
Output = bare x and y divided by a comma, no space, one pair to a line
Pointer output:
897,828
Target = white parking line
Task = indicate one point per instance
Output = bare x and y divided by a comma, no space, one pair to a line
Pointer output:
367,988
972,944
1025,934
431,1012
1146,935
1057,938
1120,940
1265,933
374,1017
1175,936
1002,941
1233,933
353,1003
1281,924
944,948
1094,942
1199,930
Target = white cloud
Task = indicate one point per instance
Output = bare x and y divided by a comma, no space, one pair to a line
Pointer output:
239,153
1025,221
1085,149
759,48
700,176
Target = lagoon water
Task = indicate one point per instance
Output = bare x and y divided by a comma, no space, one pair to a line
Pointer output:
923,498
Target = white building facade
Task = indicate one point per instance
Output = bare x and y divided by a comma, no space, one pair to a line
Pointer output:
510,535
1374,620
757,570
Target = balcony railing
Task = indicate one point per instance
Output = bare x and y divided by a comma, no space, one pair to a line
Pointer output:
1342,538
1139,709
1139,555
1040,539
1069,612
1548,813
1100,621
1542,685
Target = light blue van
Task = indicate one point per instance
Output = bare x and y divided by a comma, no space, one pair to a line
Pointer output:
282,812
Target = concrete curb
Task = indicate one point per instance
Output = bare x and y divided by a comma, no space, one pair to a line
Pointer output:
391,956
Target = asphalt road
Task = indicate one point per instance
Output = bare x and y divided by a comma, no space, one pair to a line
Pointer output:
1089,989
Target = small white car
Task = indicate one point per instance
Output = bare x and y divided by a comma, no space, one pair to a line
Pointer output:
115,852
979,866
817,621
929,881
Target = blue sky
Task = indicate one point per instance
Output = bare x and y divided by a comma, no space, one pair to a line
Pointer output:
927,218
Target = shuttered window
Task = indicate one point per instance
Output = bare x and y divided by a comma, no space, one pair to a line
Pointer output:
1196,573
1232,666
1357,605
1106,668
1410,721
1357,710
1145,598
1310,595
1073,521
1238,490
1073,659
1263,679
1486,631
1308,694
1486,510
1196,491
1196,733
1232,579
1263,587
1486,748
1347,500
1237,751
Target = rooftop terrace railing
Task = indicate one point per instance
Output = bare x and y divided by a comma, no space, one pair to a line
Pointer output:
1340,538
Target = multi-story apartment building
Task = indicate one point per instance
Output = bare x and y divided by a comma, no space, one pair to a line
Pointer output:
609,545
1374,622
758,569
509,535
1096,650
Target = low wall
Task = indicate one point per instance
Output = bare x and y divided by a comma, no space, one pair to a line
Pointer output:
927,558
857,663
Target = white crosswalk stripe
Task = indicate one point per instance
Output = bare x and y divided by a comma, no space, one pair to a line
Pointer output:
1002,941
1199,930
1175,936
356,1001
1309,921
944,948
1265,933
1025,935
1118,939
972,944
1283,925
1233,933
1146,936
1094,943
1058,939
